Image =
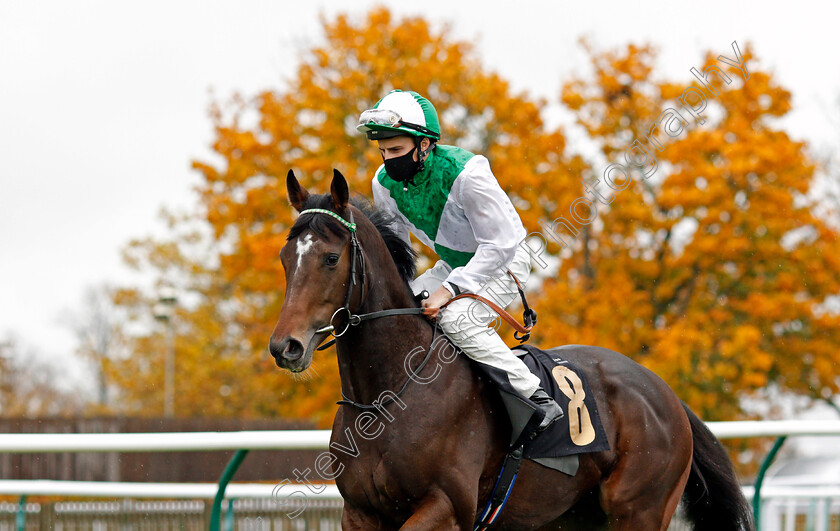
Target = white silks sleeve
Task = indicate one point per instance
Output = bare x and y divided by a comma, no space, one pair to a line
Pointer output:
496,225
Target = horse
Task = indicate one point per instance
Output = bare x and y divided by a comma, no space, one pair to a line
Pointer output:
420,437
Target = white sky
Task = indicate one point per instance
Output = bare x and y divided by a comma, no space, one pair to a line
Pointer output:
103,105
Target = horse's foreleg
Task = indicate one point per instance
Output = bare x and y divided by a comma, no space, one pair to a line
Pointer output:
437,511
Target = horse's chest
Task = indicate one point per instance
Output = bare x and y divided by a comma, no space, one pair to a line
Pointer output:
384,481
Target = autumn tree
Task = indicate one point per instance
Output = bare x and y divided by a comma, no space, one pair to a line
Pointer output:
96,325
29,387
224,256
711,268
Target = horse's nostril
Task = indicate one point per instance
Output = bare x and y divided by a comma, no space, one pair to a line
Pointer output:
276,348
288,349
294,350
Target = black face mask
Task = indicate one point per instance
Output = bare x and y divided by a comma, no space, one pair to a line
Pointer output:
402,168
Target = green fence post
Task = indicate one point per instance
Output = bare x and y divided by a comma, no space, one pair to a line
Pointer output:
229,517
20,520
230,470
756,502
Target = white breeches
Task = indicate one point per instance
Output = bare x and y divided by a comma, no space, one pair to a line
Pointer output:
466,321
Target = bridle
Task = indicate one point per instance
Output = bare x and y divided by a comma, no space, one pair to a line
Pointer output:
356,257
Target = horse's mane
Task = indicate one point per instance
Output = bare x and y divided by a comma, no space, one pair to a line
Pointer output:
401,252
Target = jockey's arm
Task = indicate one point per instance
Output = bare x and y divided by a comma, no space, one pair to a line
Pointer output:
495,224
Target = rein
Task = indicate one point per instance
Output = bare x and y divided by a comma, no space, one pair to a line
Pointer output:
389,399
356,255
357,319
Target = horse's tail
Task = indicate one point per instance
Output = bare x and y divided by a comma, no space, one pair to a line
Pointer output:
713,499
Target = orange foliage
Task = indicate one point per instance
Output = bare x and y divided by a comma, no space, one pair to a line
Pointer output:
686,272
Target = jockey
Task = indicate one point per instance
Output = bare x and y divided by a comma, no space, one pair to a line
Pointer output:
451,201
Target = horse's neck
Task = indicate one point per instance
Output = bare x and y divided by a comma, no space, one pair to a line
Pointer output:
373,357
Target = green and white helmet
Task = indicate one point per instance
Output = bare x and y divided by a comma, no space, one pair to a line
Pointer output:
400,113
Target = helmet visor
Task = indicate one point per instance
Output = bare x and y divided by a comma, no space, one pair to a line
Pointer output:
391,119
385,117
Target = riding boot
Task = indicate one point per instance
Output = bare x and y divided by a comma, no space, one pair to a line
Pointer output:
553,411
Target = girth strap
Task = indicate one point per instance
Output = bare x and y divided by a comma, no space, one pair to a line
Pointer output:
501,491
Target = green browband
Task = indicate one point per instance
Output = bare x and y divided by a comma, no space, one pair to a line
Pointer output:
350,226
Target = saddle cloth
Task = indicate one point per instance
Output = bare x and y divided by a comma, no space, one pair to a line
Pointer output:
579,431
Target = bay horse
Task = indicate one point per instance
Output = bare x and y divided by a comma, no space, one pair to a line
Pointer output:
419,440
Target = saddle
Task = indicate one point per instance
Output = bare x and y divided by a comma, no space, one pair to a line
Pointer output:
579,431
559,446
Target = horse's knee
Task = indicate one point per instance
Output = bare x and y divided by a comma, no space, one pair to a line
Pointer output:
353,519
437,511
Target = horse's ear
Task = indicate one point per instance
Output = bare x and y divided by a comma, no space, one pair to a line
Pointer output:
297,193
339,190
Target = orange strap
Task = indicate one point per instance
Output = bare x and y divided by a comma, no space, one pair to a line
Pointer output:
433,312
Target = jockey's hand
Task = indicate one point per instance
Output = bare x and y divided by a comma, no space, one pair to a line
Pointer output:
436,299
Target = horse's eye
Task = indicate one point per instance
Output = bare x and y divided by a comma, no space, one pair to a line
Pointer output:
331,259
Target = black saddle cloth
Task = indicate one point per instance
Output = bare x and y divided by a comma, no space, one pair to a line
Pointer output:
579,431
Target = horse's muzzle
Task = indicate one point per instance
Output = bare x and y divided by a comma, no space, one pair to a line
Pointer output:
287,352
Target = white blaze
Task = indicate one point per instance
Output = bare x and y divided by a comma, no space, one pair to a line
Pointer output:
303,247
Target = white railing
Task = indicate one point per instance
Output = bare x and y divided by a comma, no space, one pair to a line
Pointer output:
296,440
261,440
314,439
109,489
164,442
773,428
